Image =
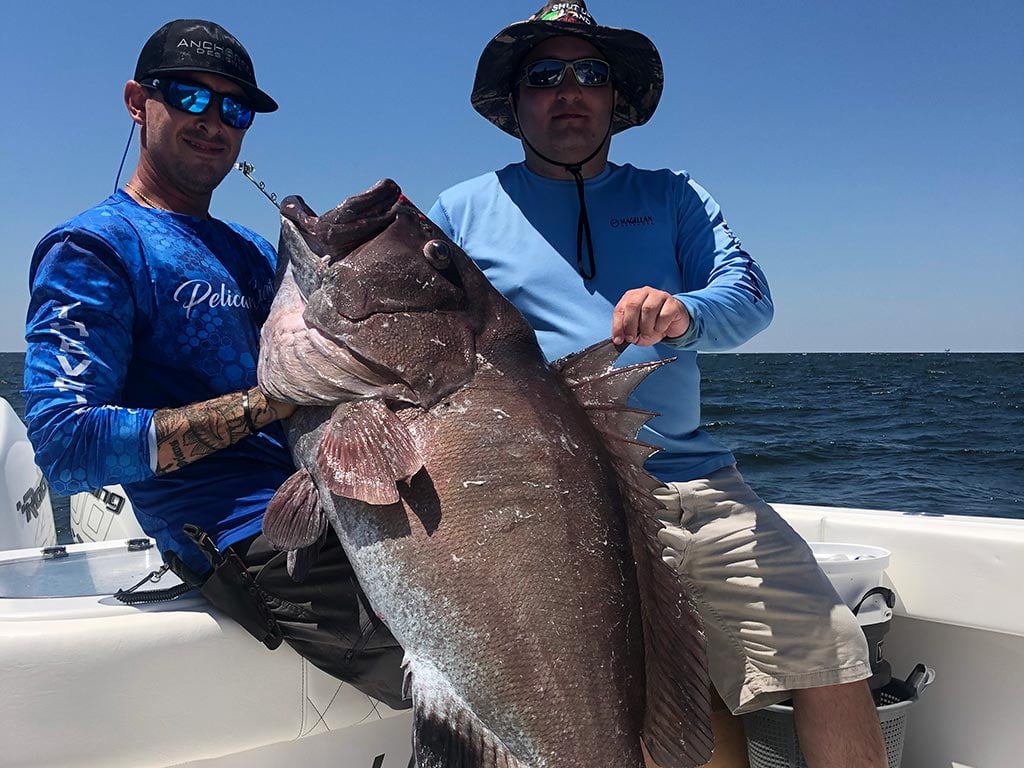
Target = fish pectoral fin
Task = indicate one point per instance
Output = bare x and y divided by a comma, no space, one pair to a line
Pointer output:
445,732
365,450
294,518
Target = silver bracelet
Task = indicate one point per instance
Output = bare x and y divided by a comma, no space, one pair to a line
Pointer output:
247,411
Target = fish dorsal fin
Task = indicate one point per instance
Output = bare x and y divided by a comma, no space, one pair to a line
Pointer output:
365,450
603,390
591,376
614,419
677,714
587,363
446,733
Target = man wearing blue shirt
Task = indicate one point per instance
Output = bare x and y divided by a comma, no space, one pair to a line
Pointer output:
143,331
586,248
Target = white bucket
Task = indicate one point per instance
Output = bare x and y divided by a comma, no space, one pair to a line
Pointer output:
853,569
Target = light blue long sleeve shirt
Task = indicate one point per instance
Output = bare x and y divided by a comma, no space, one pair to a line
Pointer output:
649,228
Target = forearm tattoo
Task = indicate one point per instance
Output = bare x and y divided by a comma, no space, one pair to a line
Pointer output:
262,413
184,435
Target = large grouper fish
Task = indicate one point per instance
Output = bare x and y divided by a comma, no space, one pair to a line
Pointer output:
493,506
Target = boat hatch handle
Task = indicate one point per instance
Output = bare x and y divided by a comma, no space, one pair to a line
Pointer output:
920,678
137,545
55,553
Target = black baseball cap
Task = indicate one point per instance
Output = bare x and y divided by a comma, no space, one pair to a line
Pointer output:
195,45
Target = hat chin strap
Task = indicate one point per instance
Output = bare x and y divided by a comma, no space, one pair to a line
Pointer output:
576,169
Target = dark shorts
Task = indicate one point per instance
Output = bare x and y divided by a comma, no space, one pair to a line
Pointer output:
327,619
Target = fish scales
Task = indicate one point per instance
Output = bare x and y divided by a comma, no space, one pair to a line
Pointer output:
571,550
499,552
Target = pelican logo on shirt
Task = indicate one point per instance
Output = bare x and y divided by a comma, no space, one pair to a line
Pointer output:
201,293
632,221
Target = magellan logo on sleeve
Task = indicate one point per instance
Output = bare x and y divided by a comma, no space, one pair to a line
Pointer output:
632,221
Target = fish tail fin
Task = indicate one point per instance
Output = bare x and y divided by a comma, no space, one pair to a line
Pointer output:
677,715
446,733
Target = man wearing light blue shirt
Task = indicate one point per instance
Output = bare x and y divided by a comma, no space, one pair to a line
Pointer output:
586,249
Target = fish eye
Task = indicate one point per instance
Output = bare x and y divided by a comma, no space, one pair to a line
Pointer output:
438,254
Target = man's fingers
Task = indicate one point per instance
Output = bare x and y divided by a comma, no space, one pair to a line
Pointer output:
645,316
650,312
626,317
672,319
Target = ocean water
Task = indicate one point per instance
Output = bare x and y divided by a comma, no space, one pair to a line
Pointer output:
917,433
920,433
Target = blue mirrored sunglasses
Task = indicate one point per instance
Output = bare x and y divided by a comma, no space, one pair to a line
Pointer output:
194,99
547,73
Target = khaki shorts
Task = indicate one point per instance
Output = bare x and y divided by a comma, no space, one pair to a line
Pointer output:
773,621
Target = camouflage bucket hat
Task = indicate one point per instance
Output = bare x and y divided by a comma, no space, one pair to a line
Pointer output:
636,66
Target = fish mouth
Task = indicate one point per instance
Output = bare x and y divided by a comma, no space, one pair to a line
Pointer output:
356,220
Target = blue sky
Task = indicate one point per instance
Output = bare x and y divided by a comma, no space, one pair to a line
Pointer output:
870,155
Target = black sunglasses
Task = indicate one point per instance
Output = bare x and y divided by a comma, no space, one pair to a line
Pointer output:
547,73
194,99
